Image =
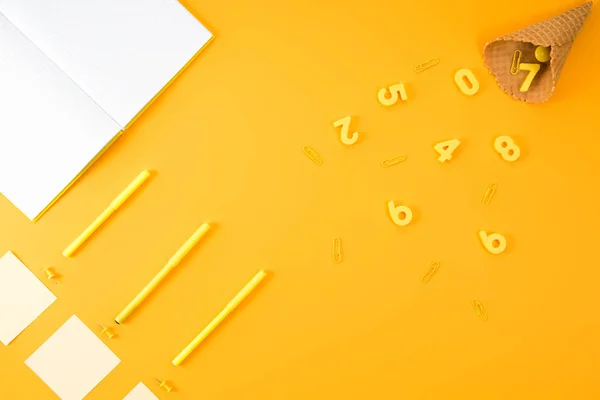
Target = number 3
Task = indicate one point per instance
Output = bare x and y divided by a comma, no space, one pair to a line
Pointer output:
507,148
495,243
395,91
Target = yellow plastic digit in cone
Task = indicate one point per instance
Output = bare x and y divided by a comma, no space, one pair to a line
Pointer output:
533,70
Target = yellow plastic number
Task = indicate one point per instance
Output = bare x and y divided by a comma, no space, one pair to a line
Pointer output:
345,124
466,82
445,149
495,243
533,70
395,91
507,148
401,215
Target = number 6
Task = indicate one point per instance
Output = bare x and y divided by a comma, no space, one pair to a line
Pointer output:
495,243
401,215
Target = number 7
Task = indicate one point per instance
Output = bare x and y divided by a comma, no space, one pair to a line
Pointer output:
533,70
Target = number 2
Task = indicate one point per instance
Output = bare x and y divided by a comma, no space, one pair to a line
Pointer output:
446,149
533,70
345,124
396,91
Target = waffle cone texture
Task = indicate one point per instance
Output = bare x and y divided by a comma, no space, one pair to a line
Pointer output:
558,33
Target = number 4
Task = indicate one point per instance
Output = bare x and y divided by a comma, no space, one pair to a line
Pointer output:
445,149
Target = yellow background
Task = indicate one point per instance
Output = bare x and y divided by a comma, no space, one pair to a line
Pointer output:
225,141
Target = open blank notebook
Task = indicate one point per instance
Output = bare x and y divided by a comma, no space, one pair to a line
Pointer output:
73,75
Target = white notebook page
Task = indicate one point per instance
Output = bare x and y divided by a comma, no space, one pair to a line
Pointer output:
49,128
120,52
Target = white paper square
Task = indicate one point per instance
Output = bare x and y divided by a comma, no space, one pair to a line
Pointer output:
73,360
140,392
23,297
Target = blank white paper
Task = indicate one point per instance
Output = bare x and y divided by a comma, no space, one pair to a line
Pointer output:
140,392
49,128
120,52
73,361
23,297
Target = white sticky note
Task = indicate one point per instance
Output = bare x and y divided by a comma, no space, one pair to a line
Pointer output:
140,392
22,297
73,360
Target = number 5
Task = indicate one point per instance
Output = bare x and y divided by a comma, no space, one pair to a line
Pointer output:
395,91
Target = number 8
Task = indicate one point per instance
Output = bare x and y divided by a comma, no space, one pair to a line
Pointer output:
507,148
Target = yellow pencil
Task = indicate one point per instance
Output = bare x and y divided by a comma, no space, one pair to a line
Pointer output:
172,263
250,286
114,206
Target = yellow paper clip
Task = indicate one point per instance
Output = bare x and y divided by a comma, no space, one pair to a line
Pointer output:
426,65
516,61
479,310
431,270
489,193
51,274
336,251
164,385
105,330
393,161
312,154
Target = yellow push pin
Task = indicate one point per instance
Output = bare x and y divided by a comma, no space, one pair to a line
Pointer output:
542,54
164,385
51,274
105,330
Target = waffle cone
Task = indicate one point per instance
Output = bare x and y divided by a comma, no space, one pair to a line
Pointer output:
558,33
